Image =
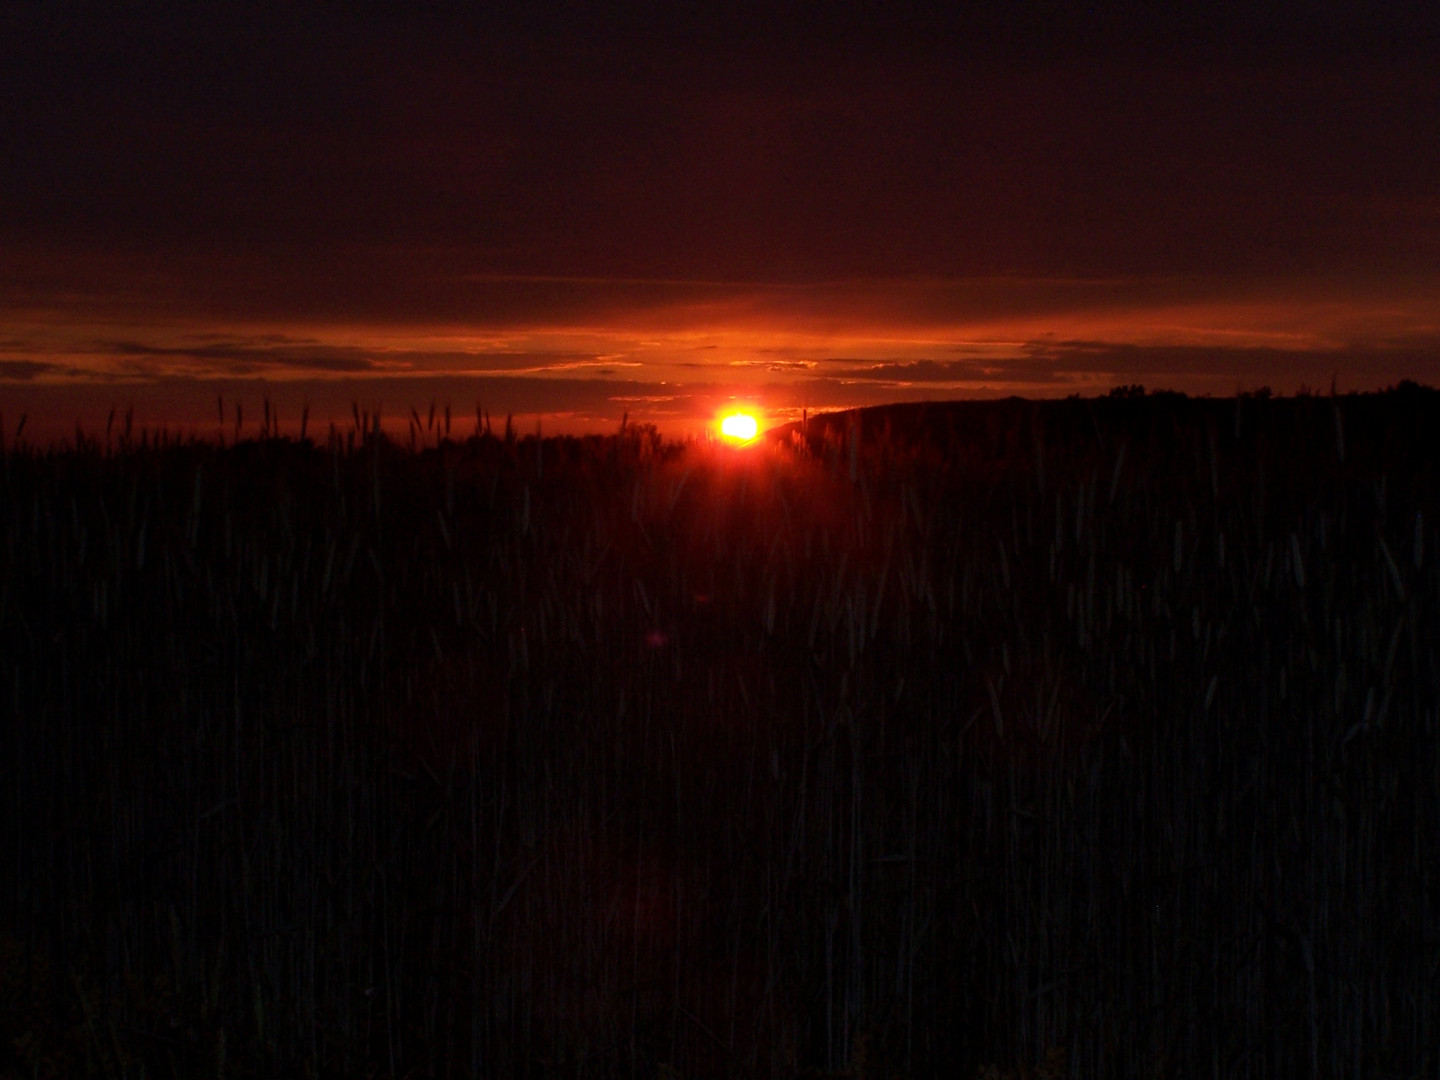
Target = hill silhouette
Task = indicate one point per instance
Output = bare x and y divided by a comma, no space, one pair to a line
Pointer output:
1018,432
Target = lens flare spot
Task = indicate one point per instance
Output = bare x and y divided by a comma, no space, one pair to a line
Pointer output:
741,427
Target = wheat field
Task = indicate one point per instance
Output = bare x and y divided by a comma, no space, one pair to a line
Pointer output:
1078,738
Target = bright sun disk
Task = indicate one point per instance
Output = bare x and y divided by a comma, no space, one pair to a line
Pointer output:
739,426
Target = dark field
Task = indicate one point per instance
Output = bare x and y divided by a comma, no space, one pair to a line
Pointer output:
1070,739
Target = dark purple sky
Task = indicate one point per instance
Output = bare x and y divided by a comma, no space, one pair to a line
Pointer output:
578,214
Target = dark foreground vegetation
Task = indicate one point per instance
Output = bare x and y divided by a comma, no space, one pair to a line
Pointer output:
1084,738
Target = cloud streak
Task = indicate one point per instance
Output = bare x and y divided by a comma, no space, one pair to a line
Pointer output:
24,370
581,376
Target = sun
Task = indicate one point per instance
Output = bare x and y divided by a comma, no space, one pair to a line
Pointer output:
739,427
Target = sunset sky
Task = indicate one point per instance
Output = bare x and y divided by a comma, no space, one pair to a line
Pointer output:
573,215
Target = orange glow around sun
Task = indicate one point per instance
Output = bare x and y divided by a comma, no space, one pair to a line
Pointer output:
739,427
